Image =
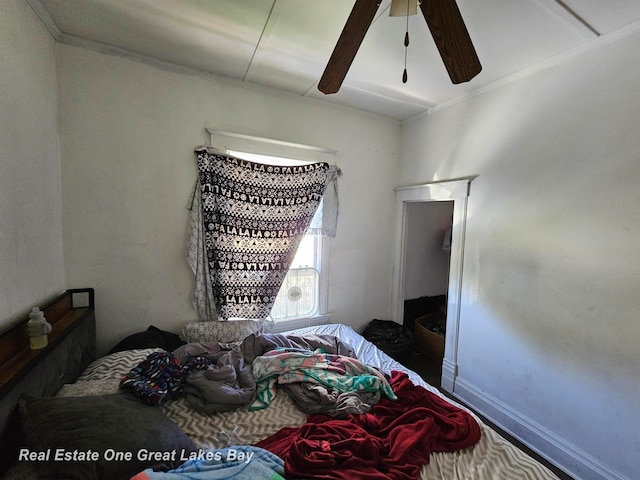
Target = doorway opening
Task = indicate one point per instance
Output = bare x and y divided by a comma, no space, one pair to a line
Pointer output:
426,281
455,192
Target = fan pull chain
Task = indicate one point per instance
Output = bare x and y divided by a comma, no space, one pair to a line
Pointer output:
406,45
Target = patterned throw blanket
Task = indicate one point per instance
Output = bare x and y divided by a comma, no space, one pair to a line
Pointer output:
159,376
336,372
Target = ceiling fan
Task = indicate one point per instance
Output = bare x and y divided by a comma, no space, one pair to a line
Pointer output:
445,23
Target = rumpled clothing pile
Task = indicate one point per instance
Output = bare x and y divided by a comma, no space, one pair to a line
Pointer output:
225,385
390,442
217,377
319,382
160,375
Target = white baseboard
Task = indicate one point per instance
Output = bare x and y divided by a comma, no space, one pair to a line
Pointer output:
449,373
556,450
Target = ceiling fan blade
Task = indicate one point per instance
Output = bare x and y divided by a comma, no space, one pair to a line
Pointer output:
347,46
452,39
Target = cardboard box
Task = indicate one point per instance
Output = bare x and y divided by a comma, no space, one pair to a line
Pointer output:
429,343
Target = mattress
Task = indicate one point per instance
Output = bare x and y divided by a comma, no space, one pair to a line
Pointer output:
491,458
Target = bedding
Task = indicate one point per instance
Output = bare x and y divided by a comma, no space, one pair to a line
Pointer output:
81,437
392,441
479,452
239,463
223,332
317,382
228,382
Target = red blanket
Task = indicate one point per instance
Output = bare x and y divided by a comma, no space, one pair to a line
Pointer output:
391,442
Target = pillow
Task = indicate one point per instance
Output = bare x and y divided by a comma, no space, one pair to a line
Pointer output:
99,426
223,332
115,365
152,337
90,388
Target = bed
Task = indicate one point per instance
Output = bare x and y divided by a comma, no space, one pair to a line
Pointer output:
106,413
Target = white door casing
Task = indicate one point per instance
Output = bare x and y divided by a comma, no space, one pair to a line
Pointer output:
458,191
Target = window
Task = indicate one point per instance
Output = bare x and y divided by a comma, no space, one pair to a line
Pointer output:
302,296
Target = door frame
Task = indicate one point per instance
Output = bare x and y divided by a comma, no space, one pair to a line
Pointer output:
458,191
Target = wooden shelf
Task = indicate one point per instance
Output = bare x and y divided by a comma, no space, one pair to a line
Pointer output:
16,356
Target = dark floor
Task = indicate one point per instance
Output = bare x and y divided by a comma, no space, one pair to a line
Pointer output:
432,373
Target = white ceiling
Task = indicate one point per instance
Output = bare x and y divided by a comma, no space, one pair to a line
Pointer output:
285,44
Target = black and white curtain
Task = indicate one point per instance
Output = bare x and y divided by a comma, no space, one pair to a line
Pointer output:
247,222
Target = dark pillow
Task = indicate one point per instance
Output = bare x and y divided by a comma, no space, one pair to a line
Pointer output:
171,340
102,424
153,337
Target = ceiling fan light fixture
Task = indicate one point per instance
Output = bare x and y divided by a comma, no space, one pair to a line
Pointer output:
443,20
403,8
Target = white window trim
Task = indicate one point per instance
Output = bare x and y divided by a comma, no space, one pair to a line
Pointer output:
299,323
224,141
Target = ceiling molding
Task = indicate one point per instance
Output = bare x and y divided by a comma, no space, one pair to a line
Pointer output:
108,49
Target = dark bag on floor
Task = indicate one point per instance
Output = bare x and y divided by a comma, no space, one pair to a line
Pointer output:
390,337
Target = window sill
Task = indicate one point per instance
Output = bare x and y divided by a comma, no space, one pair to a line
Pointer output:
278,327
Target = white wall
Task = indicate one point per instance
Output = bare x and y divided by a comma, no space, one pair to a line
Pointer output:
426,265
31,255
127,136
549,324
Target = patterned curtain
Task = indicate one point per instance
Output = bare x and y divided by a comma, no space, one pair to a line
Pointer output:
252,219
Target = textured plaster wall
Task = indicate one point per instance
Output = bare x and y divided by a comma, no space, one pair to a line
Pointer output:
549,317
128,131
31,254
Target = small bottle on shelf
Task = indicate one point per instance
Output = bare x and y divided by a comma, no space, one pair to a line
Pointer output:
38,329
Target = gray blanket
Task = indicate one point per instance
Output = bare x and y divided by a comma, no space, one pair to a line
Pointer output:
228,382
314,398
